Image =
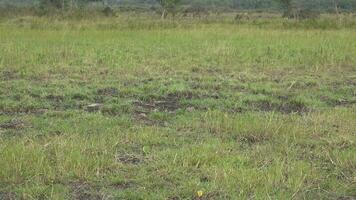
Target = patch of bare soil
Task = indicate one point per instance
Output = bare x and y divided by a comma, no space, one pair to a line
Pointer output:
347,198
168,104
133,155
109,91
8,196
128,158
339,102
84,191
293,107
7,75
288,107
13,124
165,104
22,111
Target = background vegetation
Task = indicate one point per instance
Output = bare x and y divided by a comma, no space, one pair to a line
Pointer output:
116,103
321,5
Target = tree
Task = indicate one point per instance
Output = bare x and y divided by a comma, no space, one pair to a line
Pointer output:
57,4
287,6
336,6
167,6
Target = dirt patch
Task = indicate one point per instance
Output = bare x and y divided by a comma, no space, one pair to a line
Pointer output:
285,107
22,111
339,102
169,104
146,107
8,196
84,191
166,104
109,91
293,107
347,198
133,155
262,105
8,75
128,158
13,124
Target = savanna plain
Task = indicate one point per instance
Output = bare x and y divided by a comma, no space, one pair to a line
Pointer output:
130,107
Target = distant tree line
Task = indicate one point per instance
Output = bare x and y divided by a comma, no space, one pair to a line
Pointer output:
290,8
321,5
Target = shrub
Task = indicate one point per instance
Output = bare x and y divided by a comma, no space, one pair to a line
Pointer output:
302,14
108,11
308,14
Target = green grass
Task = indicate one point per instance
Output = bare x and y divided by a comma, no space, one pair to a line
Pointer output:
238,111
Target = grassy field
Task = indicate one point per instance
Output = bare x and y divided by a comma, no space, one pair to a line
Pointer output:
120,109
